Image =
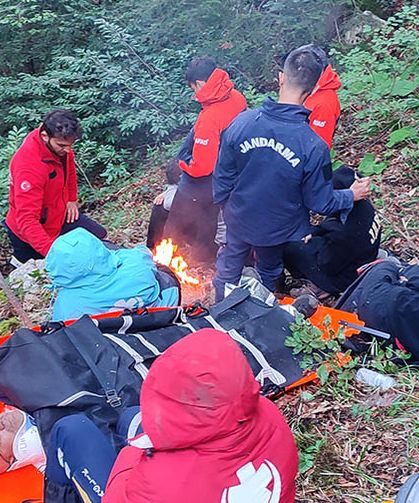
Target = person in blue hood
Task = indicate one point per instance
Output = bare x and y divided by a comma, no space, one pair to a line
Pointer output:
272,170
92,279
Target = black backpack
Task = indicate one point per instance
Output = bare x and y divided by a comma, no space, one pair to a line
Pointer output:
97,366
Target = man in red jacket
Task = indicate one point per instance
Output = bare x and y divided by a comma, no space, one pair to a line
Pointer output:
43,188
193,216
323,101
209,437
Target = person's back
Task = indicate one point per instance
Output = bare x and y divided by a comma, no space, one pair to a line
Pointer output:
276,185
214,438
92,279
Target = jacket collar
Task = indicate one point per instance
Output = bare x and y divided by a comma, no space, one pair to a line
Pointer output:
45,153
284,111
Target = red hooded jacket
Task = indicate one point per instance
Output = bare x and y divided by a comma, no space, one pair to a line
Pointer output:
40,188
221,103
324,105
215,439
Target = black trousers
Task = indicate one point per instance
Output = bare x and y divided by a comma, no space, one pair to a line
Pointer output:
23,251
156,225
193,220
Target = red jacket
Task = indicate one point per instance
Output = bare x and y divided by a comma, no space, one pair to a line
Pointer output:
216,440
40,188
221,103
324,105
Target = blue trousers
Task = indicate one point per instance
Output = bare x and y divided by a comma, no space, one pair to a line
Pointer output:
233,257
81,456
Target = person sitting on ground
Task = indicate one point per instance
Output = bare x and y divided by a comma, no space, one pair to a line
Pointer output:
43,188
271,155
162,205
92,279
331,254
193,216
209,436
323,101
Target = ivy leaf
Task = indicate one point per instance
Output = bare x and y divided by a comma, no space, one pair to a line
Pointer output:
400,135
369,166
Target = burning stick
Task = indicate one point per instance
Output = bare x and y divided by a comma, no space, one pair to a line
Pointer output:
165,254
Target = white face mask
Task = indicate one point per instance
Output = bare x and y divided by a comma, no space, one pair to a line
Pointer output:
27,446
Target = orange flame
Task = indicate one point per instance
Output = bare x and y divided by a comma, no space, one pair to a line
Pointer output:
165,253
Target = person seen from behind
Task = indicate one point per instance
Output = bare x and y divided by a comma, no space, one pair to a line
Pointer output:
209,436
270,155
193,216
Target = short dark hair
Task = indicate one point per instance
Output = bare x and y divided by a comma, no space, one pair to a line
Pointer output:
200,69
61,124
173,172
319,52
302,69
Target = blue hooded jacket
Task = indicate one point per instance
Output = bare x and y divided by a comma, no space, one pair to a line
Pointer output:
272,170
92,279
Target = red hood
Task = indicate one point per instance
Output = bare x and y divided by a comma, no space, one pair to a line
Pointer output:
328,80
200,390
33,145
216,88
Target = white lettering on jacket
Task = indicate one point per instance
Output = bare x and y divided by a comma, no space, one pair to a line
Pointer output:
254,485
319,123
201,141
278,147
375,229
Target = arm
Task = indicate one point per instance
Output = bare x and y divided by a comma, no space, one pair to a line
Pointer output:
226,171
318,193
205,145
72,177
29,195
323,122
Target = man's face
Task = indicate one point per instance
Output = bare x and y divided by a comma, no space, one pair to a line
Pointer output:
10,422
59,146
197,86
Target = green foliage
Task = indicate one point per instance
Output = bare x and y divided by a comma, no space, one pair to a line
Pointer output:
380,75
401,135
319,348
369,166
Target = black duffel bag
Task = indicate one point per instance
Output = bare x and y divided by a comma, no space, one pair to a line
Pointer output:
97,366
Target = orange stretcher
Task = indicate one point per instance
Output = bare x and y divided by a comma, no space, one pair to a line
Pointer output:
27,483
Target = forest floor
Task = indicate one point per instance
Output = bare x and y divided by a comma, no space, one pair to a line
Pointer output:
356,445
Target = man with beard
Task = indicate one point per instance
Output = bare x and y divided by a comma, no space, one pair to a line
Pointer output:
43,188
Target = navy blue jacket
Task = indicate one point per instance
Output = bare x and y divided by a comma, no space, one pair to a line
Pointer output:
272,170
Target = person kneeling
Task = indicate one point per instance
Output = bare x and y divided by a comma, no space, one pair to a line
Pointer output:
331,255
209,436
93,279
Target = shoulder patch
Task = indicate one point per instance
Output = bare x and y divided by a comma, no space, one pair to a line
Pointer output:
25,186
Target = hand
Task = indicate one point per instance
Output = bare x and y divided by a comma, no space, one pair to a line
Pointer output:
72,212
160,198
361,189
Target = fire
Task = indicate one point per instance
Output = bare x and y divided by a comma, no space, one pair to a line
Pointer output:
165,253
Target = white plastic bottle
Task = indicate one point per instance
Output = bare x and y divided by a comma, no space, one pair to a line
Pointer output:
375,379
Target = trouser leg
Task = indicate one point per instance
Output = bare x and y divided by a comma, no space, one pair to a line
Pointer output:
269,264
21,250
86,223
156,225
230,263
80,455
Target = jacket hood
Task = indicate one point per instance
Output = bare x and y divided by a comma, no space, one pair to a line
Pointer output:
329,80
76,258
199,391
284,111
217,88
